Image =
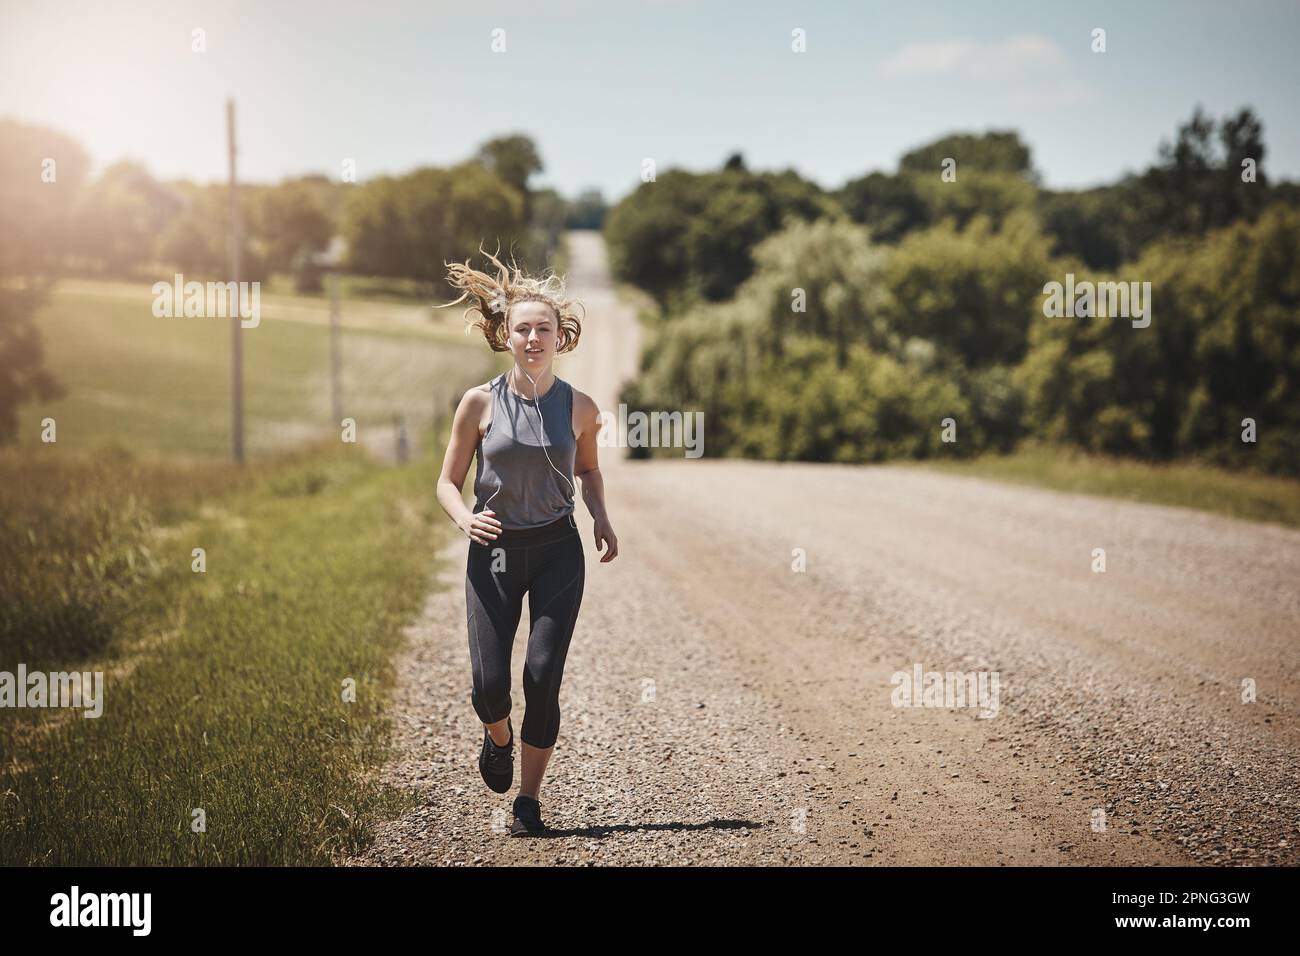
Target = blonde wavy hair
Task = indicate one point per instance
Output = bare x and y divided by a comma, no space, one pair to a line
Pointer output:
494,295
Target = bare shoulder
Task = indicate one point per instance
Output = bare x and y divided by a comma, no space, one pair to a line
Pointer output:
477,396
584,406
585,412
475,404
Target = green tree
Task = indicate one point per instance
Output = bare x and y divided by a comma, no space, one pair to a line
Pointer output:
513,158
832,272
42,174
646,234
587,211
1223,345
991,152
1240,290
292,222
1093,224
972,292
409,226
890,206
197,239
993,196
120,217
1197,182
691,236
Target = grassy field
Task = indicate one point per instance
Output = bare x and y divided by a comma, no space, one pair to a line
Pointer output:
223,689
163,384
1238,494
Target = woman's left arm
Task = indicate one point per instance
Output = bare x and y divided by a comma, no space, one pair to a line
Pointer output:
586,468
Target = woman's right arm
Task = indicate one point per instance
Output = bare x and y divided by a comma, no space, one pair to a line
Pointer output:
483,526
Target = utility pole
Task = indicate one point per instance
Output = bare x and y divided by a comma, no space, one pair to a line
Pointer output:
333,262
336,381
236,344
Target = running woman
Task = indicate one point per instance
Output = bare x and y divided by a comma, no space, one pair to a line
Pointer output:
534,434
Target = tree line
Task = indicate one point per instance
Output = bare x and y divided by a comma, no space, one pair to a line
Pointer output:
847,325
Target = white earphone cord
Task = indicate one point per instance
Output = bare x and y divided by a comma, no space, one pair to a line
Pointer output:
541,438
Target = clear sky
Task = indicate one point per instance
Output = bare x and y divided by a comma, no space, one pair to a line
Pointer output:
601,84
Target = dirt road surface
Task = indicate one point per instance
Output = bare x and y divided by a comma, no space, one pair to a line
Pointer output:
721,707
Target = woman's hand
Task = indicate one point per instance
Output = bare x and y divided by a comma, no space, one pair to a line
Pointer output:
605,533
483,527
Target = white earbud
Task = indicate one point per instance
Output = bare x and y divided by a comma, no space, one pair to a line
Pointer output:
542,437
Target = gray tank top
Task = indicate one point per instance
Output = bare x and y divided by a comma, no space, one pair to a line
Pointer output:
513,477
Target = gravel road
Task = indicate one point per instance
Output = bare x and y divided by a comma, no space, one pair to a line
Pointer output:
721,707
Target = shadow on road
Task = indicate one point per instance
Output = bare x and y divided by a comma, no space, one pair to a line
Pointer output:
600,832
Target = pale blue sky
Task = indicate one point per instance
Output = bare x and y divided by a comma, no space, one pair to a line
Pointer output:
601,84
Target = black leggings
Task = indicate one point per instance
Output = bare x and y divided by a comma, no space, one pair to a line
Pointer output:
548,564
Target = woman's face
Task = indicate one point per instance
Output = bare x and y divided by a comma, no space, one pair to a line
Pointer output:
532,334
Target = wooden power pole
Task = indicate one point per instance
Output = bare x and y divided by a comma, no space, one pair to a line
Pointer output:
236,323
336,378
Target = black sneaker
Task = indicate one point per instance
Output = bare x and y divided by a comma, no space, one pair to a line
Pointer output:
497,764
528,818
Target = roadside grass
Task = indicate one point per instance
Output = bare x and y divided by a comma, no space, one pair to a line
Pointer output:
1247,495
224,690
80,536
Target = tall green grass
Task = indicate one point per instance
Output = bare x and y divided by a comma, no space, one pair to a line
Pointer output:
223,690
77,543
